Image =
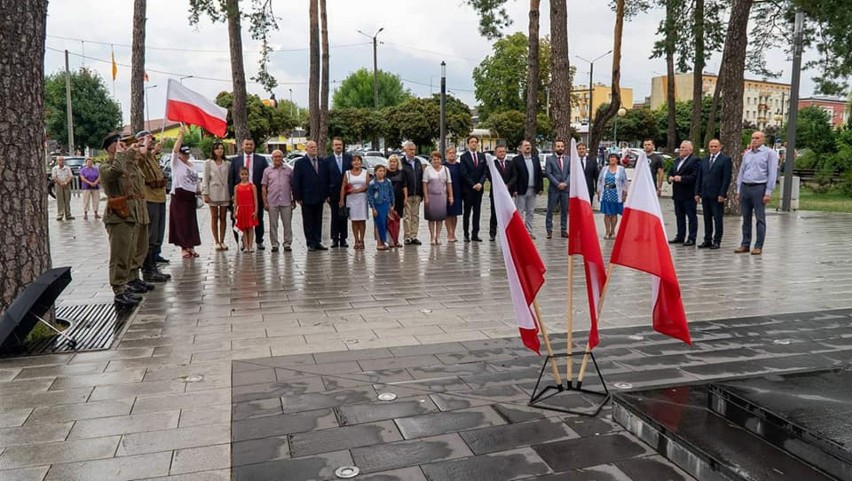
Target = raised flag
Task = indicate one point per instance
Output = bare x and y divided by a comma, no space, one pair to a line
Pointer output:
524,268
583,239
145,77
114,65
188,106
641,244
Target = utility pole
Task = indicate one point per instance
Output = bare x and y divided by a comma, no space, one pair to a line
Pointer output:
591,108
375,74
790,156
68,112
442,143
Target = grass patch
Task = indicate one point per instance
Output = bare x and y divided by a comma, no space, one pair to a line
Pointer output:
832,201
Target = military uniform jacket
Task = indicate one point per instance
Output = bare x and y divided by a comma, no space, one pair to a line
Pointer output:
122,177
154,183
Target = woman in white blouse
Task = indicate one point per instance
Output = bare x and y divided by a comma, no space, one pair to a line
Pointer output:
183,222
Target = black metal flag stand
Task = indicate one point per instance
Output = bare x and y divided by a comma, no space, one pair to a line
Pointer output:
538,397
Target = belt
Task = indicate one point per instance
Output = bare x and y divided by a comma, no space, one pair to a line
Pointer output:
609,186
752,184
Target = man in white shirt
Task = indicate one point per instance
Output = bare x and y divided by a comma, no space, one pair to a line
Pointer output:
62,176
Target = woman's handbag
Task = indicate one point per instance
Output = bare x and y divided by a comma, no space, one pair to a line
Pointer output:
343,212
199,202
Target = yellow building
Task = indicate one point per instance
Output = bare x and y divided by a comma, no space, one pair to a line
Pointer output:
601,94
764,103
161,128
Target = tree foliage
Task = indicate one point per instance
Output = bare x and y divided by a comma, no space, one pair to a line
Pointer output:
354,125
508,124
95,113
493,17
418,120
814,131
500,79
263,121
356,91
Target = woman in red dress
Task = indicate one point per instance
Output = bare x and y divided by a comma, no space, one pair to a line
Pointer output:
245,197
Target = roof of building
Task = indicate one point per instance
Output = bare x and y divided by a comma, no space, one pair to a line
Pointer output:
153,125
824,98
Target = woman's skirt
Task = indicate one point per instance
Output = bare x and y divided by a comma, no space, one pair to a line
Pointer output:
183,222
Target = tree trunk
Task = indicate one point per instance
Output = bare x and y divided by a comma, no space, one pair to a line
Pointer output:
314,82
731,73
560,75
323,123
239,114
611,111
26,248
671,37
697,76
137,68
533,72
714,110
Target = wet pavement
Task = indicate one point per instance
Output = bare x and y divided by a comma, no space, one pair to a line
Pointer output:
271,360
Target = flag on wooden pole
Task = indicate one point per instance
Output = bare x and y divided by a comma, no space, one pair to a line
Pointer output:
188,106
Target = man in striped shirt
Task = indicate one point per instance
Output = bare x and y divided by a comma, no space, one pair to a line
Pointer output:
755,183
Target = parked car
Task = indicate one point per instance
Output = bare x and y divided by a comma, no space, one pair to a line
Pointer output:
296,154
371,161
75,163
372,153
167,168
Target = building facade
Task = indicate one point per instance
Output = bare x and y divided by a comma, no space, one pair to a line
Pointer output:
765,103
837,108
601,94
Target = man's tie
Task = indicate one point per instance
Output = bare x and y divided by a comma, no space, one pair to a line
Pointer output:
475,159
503,166
248,162
339,163
314,161
583,161
561,167
712,159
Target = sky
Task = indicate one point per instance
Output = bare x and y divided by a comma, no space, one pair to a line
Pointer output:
417,36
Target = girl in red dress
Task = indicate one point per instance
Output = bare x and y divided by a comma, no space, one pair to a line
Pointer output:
245,203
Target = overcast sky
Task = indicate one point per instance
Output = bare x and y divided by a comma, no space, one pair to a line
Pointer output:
417,36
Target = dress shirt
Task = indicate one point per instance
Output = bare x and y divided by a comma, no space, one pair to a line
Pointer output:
759,166
61,173
530,171
339,159
278,181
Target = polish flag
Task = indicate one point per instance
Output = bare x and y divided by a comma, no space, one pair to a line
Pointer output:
583,238
524,268
190,107
641,244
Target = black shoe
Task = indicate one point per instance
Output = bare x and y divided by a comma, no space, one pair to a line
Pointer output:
321,247
123,300
689,243
408,242
705,245
287,249
715,246
335,245
675,241
491,238
147,285
466,238
343,244
476,239
311,248
274,248
155,276
162,260
134,288
416,241
261,247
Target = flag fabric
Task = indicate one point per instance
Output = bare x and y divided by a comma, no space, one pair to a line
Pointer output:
583,239
641,244
188,106
524,268
114,65
145,77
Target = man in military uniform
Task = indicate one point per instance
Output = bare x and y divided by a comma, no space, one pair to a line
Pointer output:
155,202
122,182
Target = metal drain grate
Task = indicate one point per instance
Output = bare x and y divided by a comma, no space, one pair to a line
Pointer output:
94,327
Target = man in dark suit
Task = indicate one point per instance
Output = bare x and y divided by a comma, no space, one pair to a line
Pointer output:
310,190
530,183
338,163
711,189
473,172
255,165
557,168
507,171
590,169
682,176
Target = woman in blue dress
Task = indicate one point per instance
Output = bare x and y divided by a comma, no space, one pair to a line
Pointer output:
612,192
381,199
454,208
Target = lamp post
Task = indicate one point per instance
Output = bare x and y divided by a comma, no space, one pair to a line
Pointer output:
442,143
790,156
148,108
375,66
621,113
591,106
186,77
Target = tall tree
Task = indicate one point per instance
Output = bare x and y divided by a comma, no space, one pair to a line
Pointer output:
560,73
26,251
612,110
323,123
731,76
95,111
137,67
697,75
314,82
670,34
356,91
533,73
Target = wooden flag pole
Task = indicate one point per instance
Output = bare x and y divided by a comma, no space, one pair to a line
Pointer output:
585,363
569,366
546,337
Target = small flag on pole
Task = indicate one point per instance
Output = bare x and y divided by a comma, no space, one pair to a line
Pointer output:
146,76
114,65
188,106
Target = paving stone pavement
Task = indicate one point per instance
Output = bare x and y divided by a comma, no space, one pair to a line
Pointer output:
252,325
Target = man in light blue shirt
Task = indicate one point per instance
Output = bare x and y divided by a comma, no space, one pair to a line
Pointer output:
755,183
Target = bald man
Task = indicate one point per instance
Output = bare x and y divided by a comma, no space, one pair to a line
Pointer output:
682,176
755,183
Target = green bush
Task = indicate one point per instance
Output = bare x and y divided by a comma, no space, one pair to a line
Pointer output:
845,185
807,159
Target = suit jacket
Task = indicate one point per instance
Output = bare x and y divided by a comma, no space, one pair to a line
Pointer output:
238,162
714,181
507,172
310,186
591,172
688,171
472,175
524,176
335,175
414,177
555,174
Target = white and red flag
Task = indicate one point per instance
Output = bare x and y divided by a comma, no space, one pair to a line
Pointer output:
524,268
583,239
190,107
641,244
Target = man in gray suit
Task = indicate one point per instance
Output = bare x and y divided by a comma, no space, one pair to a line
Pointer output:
557,168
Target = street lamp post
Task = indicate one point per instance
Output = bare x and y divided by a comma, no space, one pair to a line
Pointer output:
790,156
442,143
621,113
375,74
147,107
591,106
